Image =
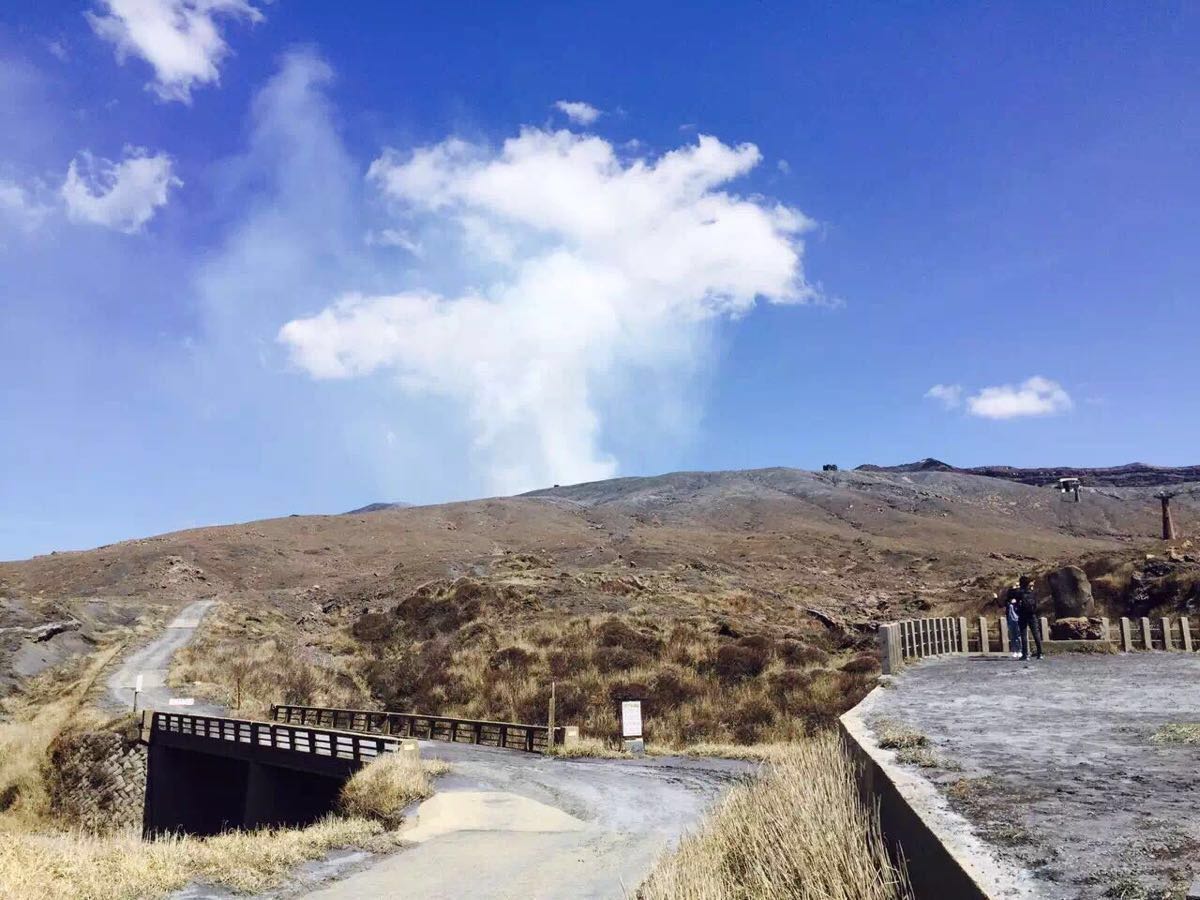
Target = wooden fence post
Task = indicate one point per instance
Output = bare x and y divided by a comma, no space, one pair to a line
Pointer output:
1185,625
1147,635
983,636
1005,640
1044,624
1168,641
964,642
1126,635
1105,634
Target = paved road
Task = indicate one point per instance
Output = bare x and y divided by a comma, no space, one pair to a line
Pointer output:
152,662
1062,775
507,824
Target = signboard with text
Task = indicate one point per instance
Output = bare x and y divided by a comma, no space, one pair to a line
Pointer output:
631,718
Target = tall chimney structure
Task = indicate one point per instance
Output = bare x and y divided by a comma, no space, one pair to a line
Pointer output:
1168,525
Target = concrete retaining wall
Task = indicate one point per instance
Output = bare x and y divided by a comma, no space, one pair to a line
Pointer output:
943,857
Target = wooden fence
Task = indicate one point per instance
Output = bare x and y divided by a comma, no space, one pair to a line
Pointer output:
921,638
508,735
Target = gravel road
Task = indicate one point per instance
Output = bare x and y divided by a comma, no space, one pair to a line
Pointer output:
1056,767
507,824
152,662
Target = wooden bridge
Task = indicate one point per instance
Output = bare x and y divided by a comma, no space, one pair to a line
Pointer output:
208,774
507,735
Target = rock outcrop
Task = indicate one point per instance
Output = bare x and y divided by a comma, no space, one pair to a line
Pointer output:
1071,592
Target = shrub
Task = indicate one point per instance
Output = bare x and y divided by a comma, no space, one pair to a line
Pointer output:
734,663
373,627
617,659
628,689
513,659
615,633
862,664
394,680
297,682
673,686
798,654
750,717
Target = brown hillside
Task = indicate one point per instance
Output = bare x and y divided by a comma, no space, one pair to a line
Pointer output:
691,587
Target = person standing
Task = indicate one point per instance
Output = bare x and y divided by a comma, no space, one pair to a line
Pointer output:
1026,602
1013,616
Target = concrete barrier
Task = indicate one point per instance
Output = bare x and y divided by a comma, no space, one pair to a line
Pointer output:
943,857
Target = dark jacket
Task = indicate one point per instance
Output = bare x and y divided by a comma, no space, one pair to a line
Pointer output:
1026,602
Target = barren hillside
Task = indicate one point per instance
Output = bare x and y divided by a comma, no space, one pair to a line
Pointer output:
464,606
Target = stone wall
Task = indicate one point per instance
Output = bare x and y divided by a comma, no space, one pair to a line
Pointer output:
96,780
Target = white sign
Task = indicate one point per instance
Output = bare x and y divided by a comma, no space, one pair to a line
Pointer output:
631,718
137,684
181,701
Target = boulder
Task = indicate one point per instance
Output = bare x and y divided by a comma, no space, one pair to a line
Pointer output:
1072,593
1078,628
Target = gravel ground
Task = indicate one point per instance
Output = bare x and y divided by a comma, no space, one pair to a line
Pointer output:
152,662
1052,763
506,824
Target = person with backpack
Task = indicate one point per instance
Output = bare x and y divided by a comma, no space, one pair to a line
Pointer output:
1026,602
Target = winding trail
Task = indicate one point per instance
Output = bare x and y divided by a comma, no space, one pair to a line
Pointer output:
507,824
152,662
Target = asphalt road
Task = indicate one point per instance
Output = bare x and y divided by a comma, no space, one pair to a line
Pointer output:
509,824
152,662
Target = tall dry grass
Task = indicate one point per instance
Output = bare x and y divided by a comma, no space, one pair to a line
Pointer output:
800,832
76,866
381,790
50,703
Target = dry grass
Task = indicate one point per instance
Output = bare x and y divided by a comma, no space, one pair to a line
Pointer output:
1177,733
480,649
800,832
382,790
82,867
50,703
895,736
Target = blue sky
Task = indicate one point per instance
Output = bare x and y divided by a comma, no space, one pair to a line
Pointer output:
262,258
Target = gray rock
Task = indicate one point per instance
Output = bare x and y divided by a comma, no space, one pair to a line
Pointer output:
1072,593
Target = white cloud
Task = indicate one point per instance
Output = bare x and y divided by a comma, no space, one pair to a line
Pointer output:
393,237
577,111
784,167
122,196
20,208
1036,396
180,39
586,282
949,395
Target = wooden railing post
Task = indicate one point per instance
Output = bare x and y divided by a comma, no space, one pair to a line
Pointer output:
1185,626
1147,635
1168,641
983,636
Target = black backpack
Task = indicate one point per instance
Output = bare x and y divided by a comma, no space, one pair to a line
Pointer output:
1026,603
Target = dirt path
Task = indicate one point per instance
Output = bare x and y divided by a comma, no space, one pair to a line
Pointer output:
507,824
1057,769
152,662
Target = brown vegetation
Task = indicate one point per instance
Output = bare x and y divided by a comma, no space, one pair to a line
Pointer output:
800,832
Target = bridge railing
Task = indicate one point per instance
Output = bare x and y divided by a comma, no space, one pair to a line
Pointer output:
359,748
509,735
